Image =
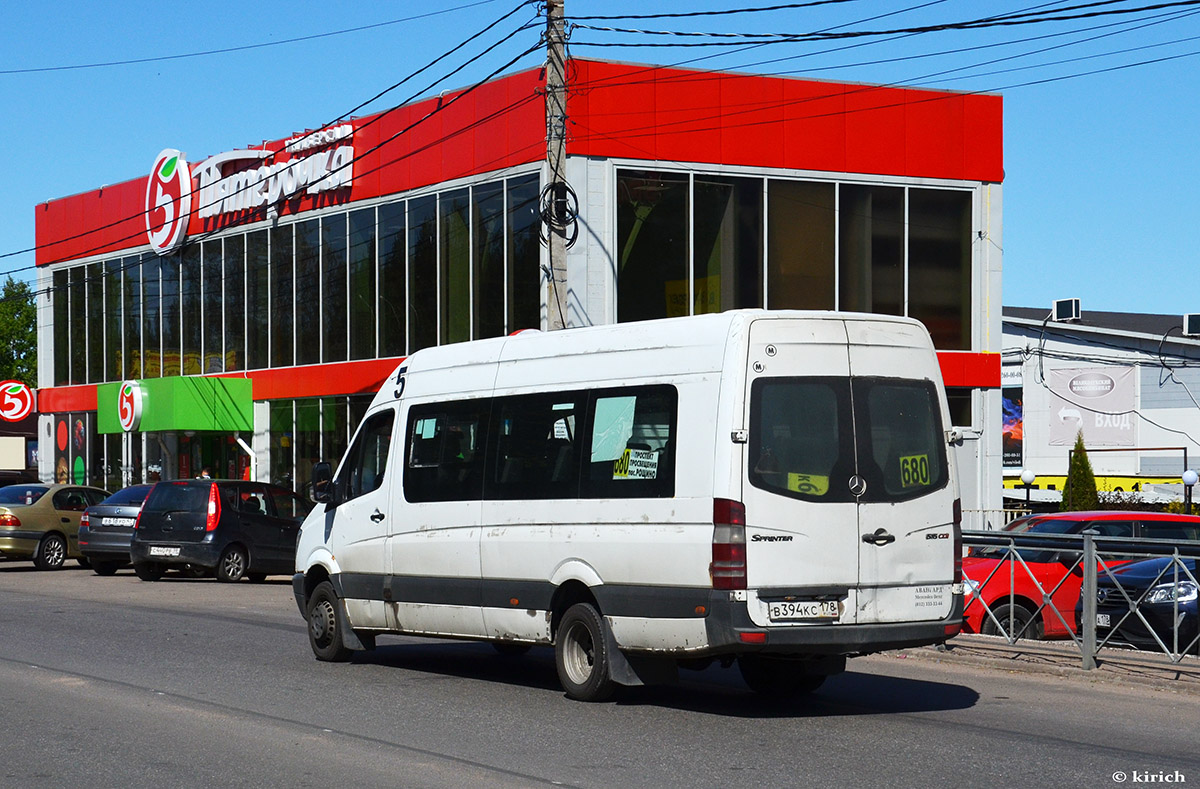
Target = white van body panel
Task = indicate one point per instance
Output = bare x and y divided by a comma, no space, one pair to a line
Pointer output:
493,568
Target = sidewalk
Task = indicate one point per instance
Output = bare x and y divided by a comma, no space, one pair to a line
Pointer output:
1062,658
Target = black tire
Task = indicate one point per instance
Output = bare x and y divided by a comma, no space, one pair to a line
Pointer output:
778,678
194,571
510,649
149,571
256,578
232,565
100,567
51,553
1022,620
581,654
84,562
325,625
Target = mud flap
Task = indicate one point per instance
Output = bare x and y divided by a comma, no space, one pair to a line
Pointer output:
350,638
634,670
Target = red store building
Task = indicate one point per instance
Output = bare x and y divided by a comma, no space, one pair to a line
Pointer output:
252,321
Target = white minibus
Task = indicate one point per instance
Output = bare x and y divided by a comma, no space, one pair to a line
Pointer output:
761,487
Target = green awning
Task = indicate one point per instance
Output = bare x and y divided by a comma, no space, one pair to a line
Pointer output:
182,403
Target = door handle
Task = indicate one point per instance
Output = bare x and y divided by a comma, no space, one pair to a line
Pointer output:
66,520
879,537
377,516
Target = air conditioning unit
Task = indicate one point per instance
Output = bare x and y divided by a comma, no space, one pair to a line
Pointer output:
1191,324
1065,310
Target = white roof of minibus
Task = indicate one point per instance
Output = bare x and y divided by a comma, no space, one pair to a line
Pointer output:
620,353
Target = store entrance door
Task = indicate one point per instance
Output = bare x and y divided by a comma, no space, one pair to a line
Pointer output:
218,453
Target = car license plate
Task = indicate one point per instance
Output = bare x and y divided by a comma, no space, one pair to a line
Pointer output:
163,550
786,611
1102,620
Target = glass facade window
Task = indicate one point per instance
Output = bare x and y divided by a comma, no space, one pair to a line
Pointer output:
77,331
114,357
524,254
393,280
727,230
800,245
212,318
258,306
871,249
454,269
151,318
235,302
189,300
362,284
282,341
939,263
487,261
334,325
652,244
95,322
169,271
422,273
133,317
61,311
308,291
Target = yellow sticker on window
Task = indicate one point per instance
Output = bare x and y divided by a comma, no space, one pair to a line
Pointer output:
914,470
808,484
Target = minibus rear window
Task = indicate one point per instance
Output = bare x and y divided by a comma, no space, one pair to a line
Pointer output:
810,436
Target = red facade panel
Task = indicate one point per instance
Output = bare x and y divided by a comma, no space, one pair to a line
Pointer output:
615,110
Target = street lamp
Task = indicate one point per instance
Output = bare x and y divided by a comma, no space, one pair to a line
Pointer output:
1189,479
1027,477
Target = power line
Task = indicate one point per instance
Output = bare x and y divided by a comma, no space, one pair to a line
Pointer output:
246,47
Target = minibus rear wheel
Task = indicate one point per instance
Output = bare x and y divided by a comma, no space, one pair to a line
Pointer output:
581,654
325,625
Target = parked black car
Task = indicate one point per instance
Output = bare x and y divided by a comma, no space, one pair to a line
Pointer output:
1168,598
238,529
105,529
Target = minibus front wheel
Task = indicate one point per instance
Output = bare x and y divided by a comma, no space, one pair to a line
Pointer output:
324,625
581,654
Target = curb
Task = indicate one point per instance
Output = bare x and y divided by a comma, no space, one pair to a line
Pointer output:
1063,659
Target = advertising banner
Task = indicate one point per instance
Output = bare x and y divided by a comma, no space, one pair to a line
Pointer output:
1097,400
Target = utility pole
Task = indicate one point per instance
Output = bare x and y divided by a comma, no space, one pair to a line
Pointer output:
556,157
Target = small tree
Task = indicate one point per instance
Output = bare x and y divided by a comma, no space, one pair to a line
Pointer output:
1080,490
18,333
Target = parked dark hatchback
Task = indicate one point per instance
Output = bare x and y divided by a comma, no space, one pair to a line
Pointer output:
105,529
238,529
1168,598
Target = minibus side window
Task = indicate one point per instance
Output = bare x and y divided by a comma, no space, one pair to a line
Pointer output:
445,451
536,444
631,451
367,459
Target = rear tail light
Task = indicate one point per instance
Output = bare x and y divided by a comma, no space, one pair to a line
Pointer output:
137,521
728,568
8,519
958,542
84,521
214,509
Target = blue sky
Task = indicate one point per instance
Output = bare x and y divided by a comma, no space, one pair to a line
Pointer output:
1102,172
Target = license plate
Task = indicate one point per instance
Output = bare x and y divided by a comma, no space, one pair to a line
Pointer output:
163,550
805,609
1102,620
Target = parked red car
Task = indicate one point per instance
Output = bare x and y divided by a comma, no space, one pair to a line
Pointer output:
991,573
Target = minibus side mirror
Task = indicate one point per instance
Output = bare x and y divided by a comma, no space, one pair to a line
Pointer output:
322,482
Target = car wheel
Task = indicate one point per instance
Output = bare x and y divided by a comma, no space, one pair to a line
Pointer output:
581,654
100,567
1023,623
149,571
325,625
51,553
232,564
778,677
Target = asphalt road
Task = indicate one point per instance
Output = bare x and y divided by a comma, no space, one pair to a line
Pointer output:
119,682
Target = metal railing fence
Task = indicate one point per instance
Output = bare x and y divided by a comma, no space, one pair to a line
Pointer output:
1023,585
